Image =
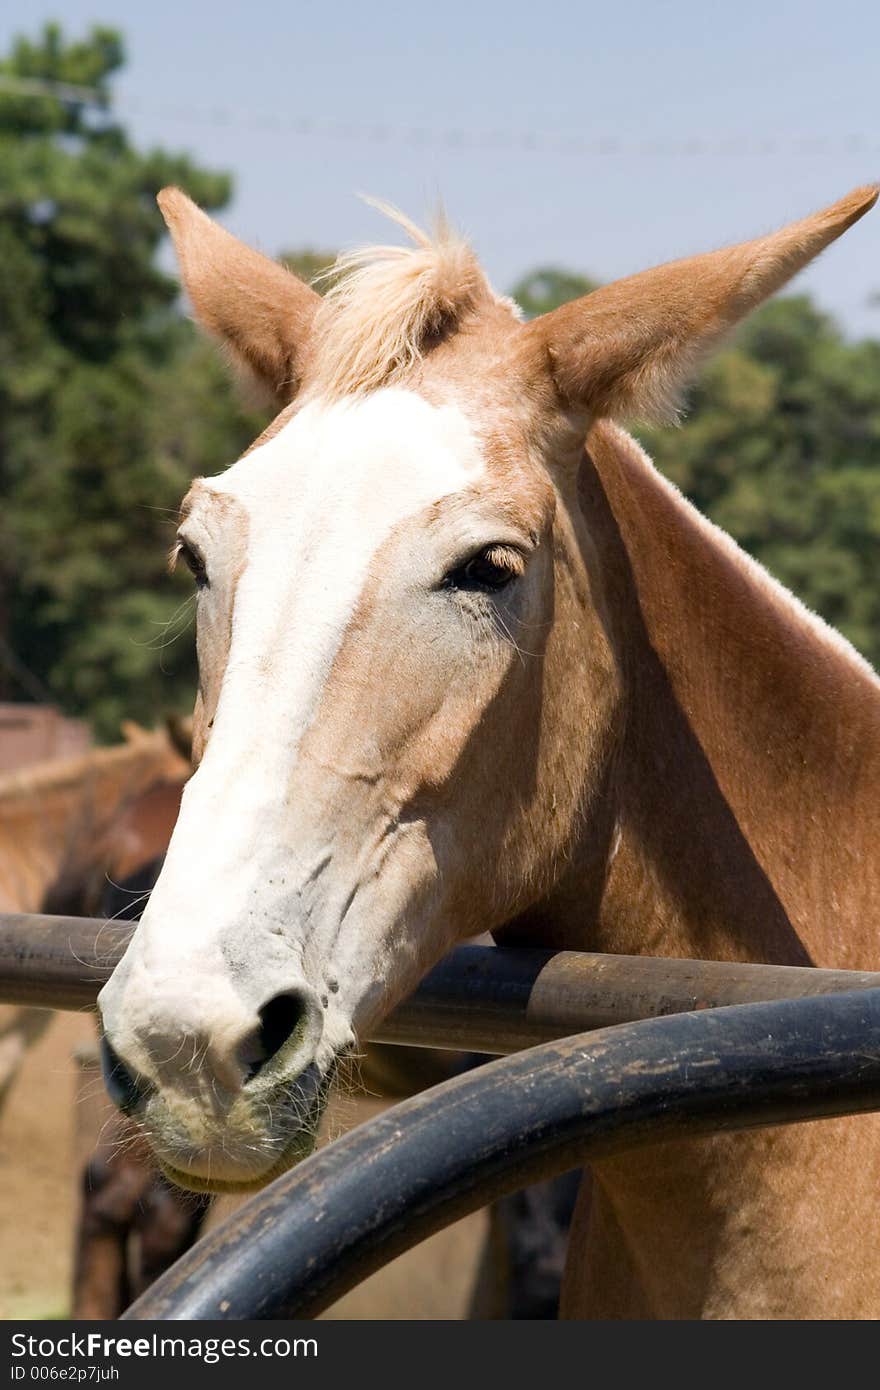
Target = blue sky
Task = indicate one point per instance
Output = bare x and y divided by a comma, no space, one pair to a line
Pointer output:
526,86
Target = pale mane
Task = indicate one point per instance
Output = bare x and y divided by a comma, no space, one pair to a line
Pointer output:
386,304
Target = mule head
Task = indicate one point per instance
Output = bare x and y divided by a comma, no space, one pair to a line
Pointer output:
408,694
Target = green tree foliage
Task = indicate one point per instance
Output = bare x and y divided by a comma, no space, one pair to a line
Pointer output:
548,287
310,265
109,400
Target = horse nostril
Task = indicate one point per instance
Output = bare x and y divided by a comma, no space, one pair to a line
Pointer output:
123,1087
280,1020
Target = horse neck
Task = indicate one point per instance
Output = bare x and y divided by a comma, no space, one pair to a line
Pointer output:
741,817
57,824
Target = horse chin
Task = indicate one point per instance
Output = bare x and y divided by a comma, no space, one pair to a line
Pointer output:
299,1148
239,1155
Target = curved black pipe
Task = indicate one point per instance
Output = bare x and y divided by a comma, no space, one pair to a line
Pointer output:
317,1231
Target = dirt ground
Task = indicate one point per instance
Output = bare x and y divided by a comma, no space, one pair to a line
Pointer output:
44,1131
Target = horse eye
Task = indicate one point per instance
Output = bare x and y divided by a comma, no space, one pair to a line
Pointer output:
194,563
488,572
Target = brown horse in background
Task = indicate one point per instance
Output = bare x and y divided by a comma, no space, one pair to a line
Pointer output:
70,830
68,825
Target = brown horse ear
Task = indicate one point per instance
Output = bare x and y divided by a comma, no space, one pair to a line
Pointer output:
133,732
626,350
260,311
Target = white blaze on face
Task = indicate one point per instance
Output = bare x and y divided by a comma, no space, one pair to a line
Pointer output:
320,499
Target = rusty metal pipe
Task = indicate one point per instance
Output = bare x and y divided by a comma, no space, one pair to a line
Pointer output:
479,999
58,962
501,999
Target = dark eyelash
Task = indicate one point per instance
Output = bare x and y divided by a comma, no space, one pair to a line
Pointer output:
487,572
182,550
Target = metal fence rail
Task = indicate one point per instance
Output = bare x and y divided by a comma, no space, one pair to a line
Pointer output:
701,1059
317,1231
479,999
